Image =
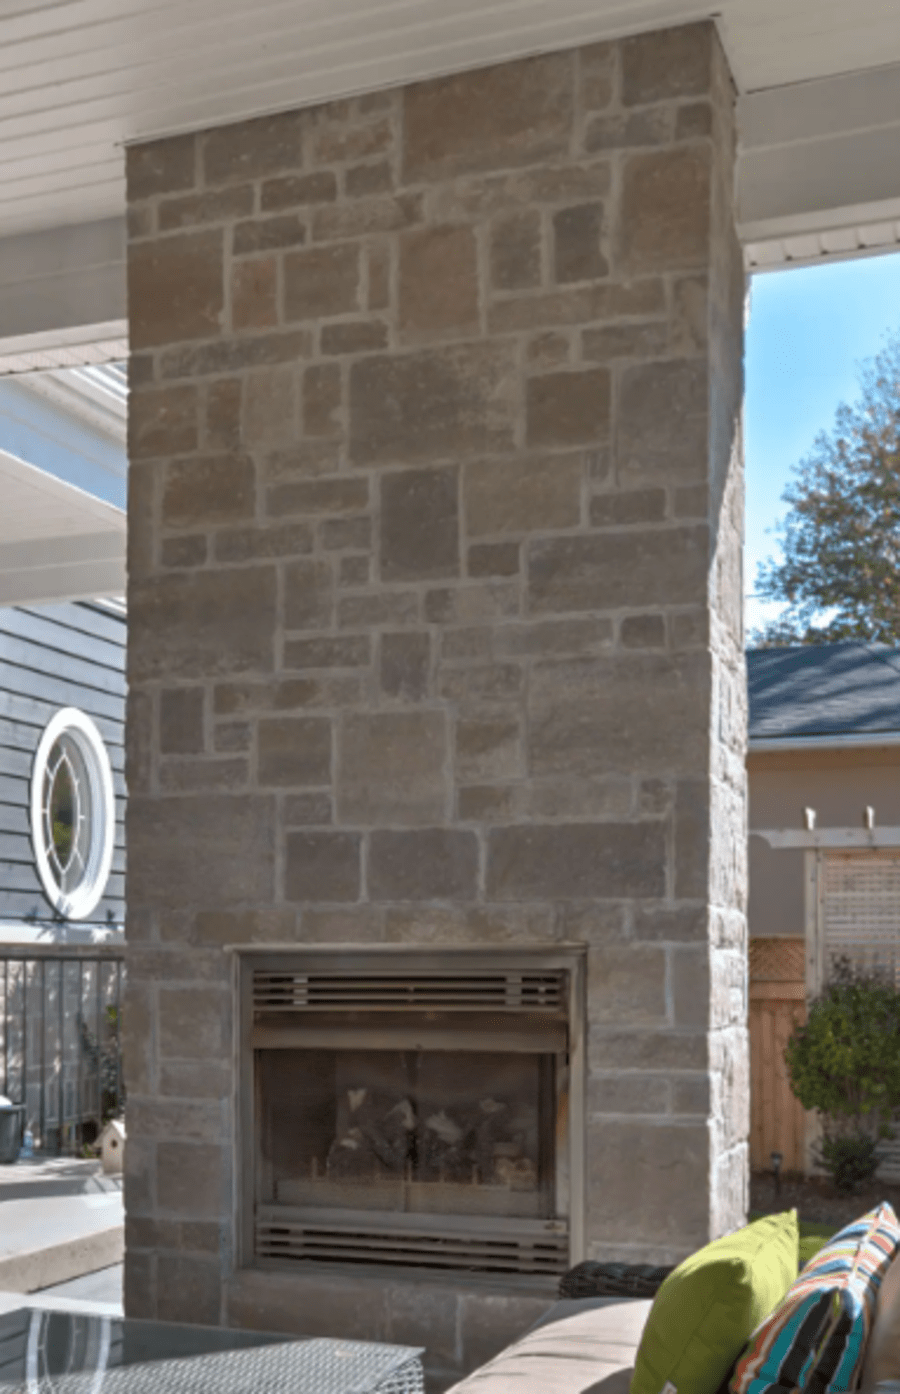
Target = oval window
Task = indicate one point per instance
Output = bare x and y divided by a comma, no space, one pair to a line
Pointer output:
73,813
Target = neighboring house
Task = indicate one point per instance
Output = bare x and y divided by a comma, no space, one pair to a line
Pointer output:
823,763
62,712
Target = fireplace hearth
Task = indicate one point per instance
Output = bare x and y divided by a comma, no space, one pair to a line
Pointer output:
413,1110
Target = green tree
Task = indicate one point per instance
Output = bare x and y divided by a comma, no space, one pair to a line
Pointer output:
845,1062
840,572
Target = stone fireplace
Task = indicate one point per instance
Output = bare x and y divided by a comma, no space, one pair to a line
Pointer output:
436,706
414,1111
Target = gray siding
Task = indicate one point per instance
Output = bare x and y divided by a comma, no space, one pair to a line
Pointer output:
52,656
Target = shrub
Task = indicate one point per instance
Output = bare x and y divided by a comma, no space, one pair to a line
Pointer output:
845,1062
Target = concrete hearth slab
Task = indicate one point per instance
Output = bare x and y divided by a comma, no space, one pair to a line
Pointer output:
46,1240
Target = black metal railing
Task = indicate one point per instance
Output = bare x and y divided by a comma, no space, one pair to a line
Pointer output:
60,1015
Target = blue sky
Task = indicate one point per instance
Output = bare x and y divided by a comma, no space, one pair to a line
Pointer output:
809,329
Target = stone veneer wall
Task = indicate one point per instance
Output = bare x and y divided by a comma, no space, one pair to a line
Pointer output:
435,619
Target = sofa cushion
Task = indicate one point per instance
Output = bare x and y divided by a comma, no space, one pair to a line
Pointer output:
706,1309
882,1359
588,1349
815,1340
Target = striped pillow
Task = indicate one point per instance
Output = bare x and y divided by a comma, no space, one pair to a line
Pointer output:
816,1339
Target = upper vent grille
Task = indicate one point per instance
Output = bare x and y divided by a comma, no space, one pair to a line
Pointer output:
531,990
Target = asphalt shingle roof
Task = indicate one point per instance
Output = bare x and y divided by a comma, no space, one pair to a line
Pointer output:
823,690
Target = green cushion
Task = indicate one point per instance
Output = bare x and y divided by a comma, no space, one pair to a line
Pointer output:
707,1308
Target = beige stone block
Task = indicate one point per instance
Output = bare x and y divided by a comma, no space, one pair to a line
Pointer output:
222,417
140,1284
488,1323
667,63
434,404
470,924
161,167
322,866
162,421
658,566
597,74
320,282
189,1288
252,149
678,924
234,353
262,543
254,294
615,510
522,495
294,750
577,251
357,336
208,489
606,799
322,397
548,350
377,609
516,251
367,217
346,924
189,773
627,985
484,684
379,265
691,987
493,118
201,851
576,860
194,1023
212,206
319,496
308,595
627,713
614,341
489,803
663,422
664,220
545,637
270,407
691,1094
438,284
628,1093
693,852
405,665
425,864
142,494
361,180
570,408
631,129
643,632
693,121
641,1048
175,289
183,552
201,624
354,571
181,720
307,810
139,740
392,767
274,923
268,234
345,534
306,1303
419,524
351,651
190,1079
139,1038
488,750
190,1180
643,296
185,1120
648,1181
473,604
293,190
494,559
336,145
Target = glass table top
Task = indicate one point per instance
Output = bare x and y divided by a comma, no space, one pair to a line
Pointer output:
44,1352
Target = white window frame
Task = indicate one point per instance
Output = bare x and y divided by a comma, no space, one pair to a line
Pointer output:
79,902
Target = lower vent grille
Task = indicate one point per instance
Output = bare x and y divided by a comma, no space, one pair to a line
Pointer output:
531,1249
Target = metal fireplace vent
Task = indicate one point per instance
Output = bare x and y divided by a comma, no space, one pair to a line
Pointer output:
278,991
541,1253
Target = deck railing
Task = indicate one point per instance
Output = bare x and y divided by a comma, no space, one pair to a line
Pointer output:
60,1040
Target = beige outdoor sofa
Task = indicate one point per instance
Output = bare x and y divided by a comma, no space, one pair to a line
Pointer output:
582,1347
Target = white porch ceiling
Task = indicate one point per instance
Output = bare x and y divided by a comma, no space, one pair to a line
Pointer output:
55,540
79,78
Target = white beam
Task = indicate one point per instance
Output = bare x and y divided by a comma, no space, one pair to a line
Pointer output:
63,297
817,169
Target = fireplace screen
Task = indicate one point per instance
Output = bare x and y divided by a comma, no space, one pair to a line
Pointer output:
409,1119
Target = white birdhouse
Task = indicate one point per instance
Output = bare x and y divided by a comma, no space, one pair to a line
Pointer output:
112,1145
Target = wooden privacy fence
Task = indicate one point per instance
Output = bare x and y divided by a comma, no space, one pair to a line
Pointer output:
777,1003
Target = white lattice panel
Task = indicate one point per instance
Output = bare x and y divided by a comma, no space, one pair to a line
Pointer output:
861,910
